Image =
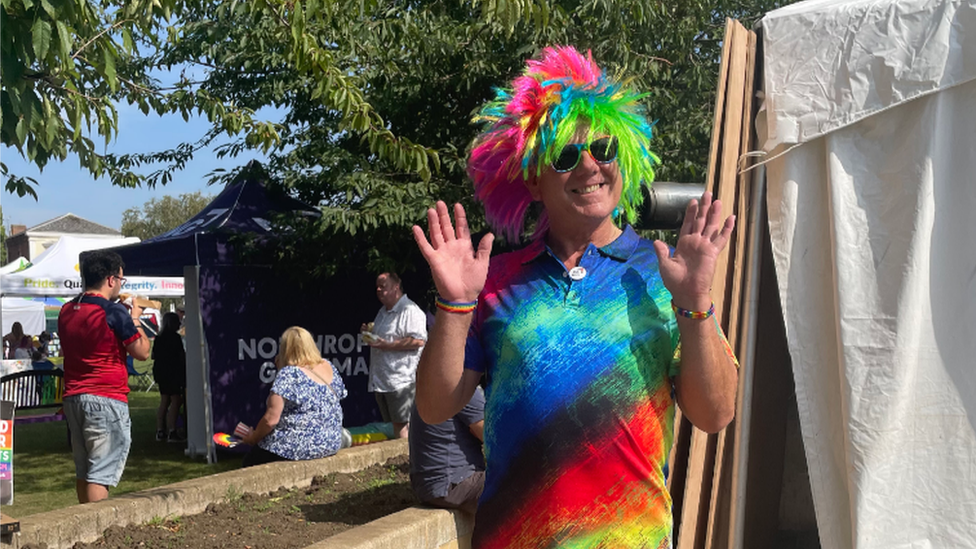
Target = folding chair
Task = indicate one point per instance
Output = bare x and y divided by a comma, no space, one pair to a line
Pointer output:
142,379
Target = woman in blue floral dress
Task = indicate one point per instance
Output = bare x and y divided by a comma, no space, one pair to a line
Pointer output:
304,418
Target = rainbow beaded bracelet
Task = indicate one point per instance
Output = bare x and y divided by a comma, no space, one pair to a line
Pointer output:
456,307
697,315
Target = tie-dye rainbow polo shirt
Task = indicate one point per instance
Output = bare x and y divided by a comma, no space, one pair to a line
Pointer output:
580,409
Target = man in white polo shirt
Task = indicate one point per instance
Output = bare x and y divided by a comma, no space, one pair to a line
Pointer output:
400,331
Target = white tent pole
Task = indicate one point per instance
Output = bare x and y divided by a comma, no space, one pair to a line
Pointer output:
199,428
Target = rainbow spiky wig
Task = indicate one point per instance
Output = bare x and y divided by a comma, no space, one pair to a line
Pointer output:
528,125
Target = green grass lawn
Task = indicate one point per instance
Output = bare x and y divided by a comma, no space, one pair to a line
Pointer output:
44,473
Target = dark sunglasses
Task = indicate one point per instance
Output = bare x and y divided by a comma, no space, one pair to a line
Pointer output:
603,150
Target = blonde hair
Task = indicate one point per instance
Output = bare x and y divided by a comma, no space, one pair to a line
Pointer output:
297,348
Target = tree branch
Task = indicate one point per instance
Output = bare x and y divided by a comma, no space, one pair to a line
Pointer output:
97,36
652,58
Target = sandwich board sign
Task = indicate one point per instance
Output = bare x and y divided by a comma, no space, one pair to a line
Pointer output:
6,452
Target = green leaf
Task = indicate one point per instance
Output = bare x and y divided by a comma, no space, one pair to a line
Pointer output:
109,57
41,37
81,108
298,23
49,9
65,42
20,186
21,132
127,44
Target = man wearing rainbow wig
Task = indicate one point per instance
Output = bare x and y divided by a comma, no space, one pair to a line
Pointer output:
578,333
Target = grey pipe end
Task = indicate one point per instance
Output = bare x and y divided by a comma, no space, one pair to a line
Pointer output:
665,203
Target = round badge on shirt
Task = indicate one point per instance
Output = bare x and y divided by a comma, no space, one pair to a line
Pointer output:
577,273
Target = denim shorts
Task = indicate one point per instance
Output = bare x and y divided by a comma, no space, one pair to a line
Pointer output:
100,431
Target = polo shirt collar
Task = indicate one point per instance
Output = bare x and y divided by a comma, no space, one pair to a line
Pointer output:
624,245
621,248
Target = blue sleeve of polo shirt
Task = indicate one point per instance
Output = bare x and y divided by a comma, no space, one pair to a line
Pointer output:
474,411
474,354
120,321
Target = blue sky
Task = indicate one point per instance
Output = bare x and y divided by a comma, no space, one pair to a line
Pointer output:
65,187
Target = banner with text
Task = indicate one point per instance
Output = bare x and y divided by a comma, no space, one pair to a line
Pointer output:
245,309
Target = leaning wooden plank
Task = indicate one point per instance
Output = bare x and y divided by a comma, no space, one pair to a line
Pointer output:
716,524
697,496
745,247
741,206
680,451
731,135
678,458
717,535
716,146
694,512
725,191
678,467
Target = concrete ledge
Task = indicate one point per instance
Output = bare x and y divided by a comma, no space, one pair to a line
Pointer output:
62,528
414,528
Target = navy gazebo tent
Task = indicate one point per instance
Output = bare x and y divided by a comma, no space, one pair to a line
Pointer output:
235,312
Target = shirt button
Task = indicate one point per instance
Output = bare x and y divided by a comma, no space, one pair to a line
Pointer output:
565,274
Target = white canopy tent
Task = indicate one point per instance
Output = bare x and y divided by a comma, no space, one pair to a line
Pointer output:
55,272
870,131
16,265
29,313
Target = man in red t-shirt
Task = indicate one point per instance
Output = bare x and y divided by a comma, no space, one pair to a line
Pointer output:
96,333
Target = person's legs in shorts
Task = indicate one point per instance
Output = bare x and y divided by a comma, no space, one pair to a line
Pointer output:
100,438
400,404
395,408
463,495
381,403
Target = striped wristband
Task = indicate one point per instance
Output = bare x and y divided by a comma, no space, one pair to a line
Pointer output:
456,307
697,315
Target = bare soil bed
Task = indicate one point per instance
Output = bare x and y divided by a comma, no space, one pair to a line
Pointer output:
285,519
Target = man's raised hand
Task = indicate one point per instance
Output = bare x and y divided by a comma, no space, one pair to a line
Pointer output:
458,271
688,273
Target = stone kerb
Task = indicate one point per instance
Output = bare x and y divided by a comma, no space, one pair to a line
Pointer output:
413,528
62,528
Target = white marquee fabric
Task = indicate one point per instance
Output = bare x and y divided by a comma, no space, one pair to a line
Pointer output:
55,272
29,313
15,265
831,63
874,241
